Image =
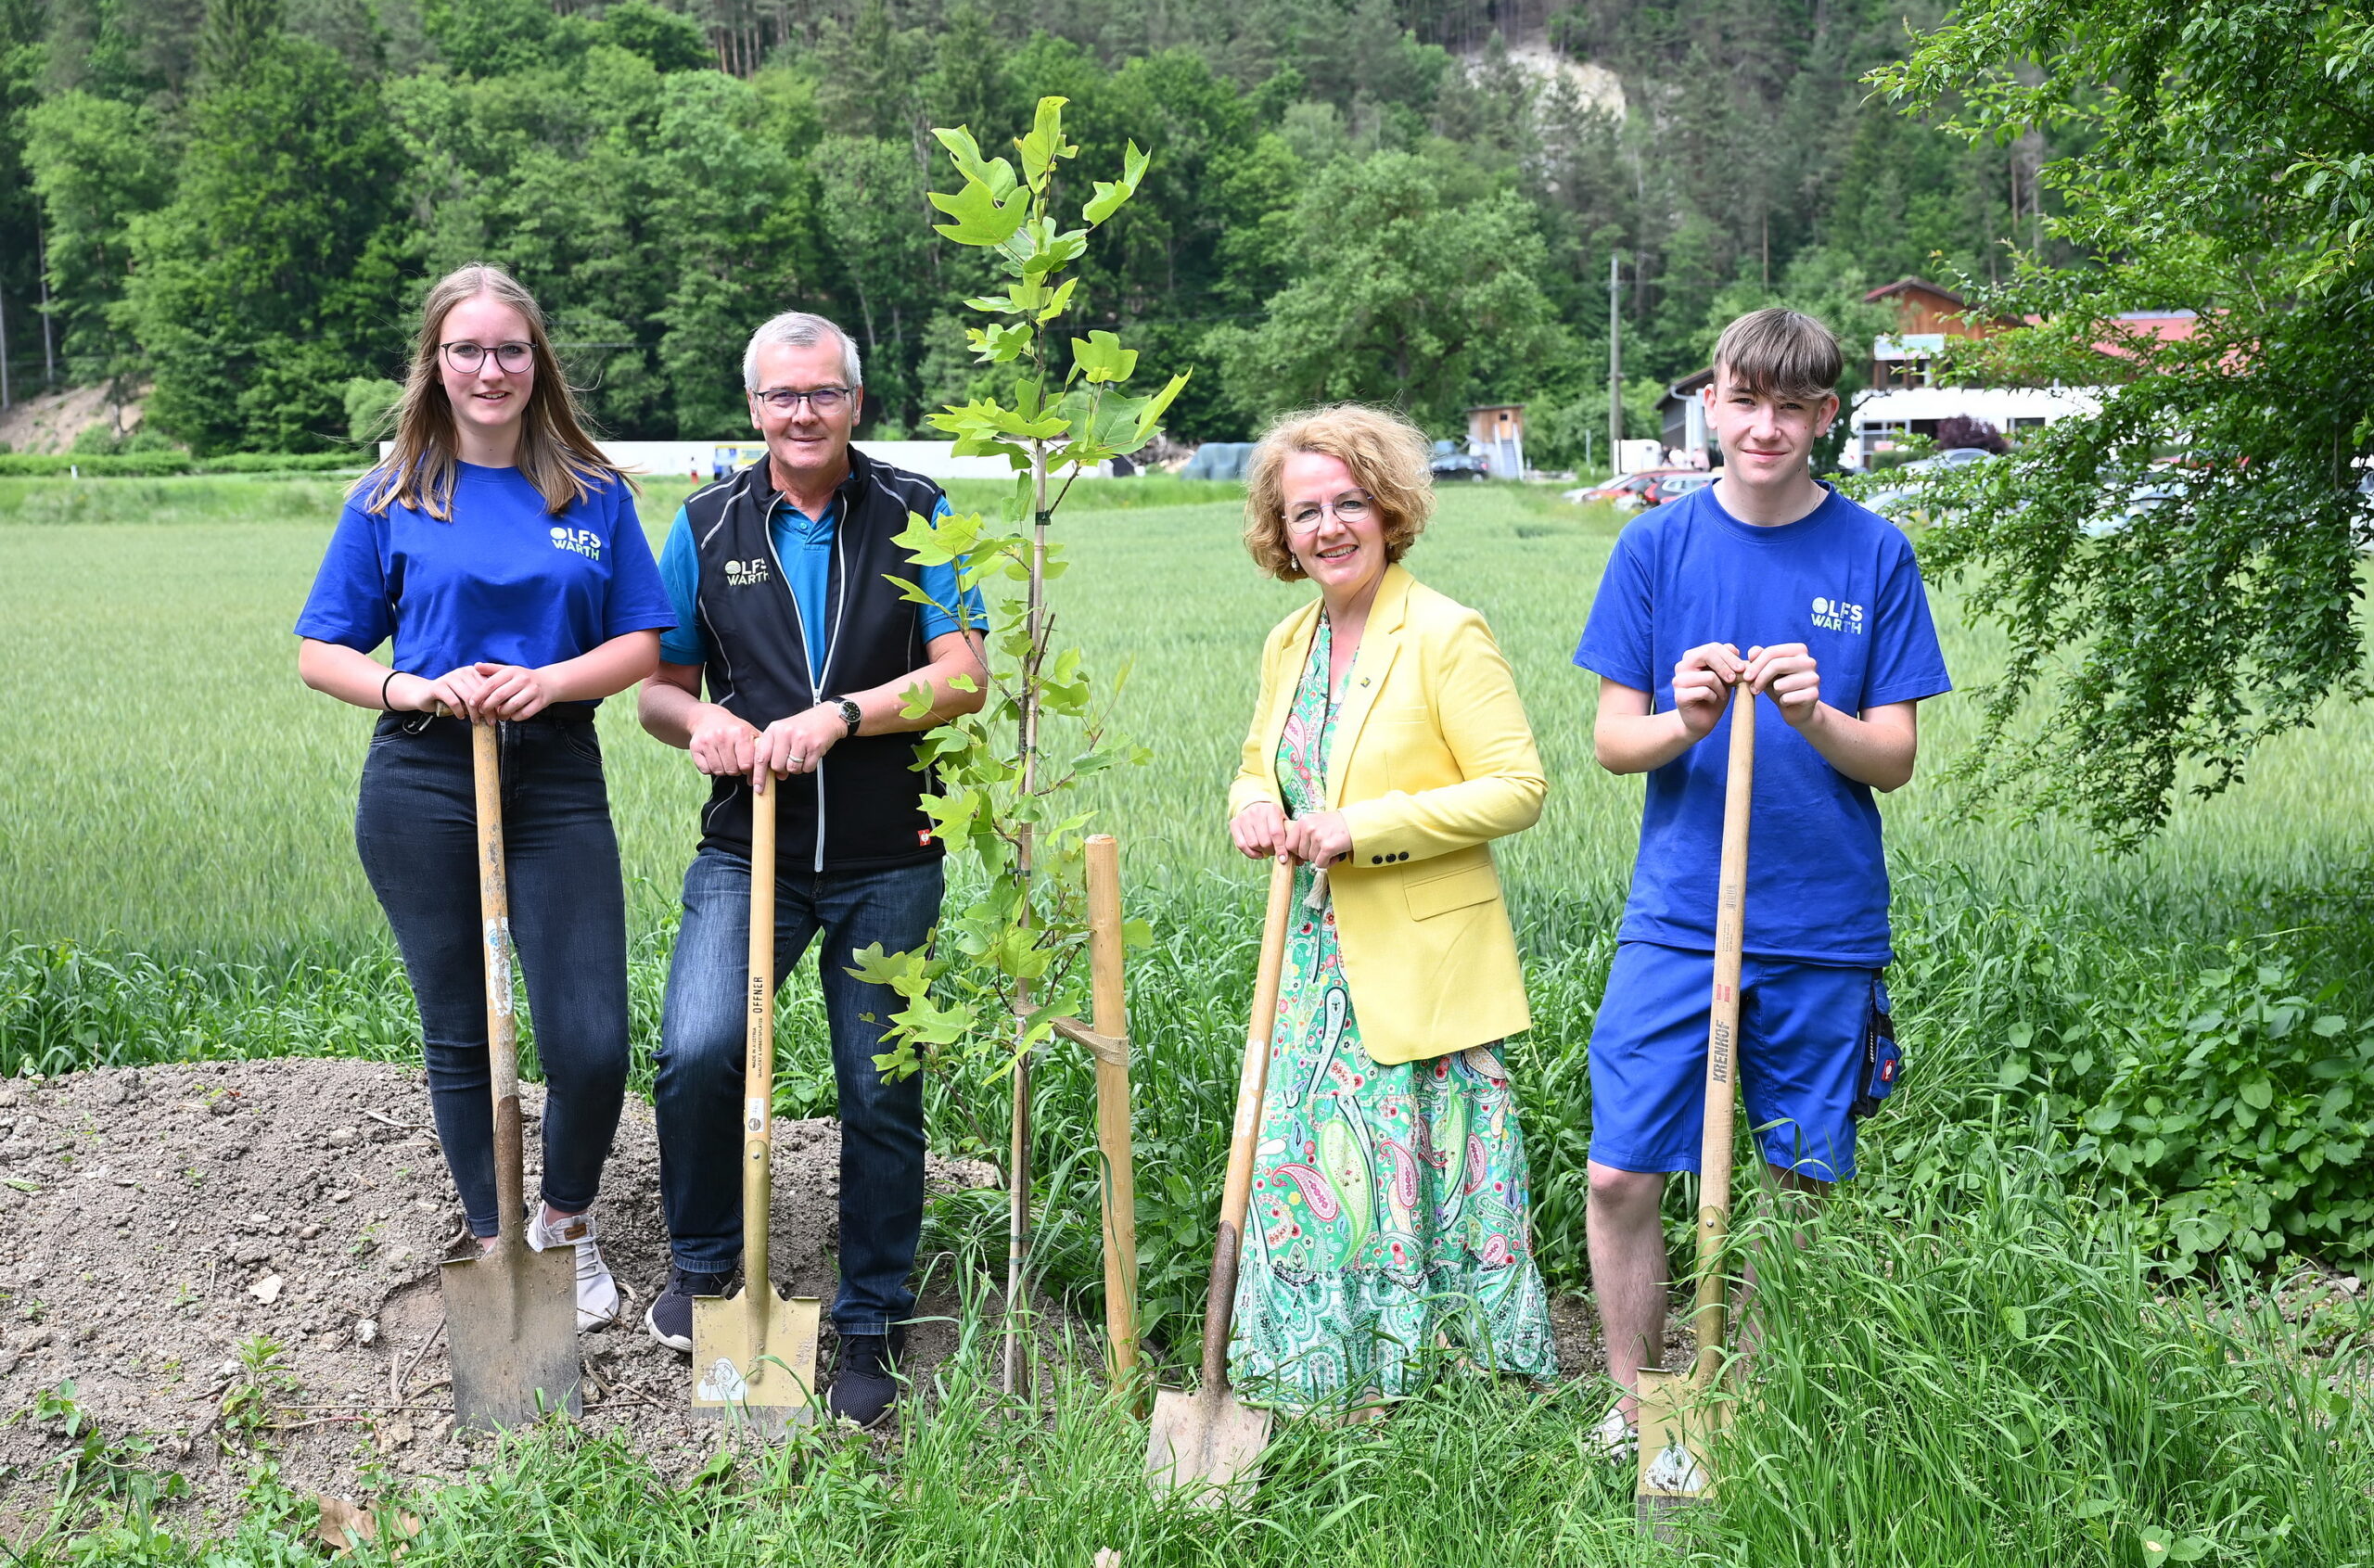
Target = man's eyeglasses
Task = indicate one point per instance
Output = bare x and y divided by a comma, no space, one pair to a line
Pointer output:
823,400
511,357
1350,510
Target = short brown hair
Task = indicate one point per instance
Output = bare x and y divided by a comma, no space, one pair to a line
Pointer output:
1387,455
1780,351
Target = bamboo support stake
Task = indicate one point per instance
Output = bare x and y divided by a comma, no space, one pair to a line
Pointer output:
1112,1020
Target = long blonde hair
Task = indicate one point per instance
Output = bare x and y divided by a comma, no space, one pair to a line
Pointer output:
556,454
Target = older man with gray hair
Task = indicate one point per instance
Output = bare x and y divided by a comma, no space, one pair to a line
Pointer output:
785,582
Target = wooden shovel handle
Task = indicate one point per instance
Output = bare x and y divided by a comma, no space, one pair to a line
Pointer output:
759,1049
1722,1042
502,1019
1252,1083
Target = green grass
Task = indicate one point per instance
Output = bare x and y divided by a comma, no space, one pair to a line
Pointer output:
166,785
1988,1381
176,868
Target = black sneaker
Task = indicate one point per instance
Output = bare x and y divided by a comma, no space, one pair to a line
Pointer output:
670,1319
867,1388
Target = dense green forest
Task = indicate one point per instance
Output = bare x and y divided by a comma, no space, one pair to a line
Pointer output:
237,201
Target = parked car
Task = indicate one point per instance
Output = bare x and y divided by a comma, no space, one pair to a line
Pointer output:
2142,500
1673,487
1459,466
1624,490
1952,457
1900,498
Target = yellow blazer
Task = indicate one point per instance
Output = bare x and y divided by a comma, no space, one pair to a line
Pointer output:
1432,760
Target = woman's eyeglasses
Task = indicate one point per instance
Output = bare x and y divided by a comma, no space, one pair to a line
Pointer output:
823,400
1350,510
512,358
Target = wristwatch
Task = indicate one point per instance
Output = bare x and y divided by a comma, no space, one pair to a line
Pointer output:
851,713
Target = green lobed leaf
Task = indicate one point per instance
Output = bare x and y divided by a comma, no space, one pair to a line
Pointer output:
1100,359
1046,145
981,218
1110,194
965,153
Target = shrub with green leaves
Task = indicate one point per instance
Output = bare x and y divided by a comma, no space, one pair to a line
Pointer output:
2242,1103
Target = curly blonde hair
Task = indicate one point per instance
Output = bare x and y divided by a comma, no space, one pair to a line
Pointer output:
1387,457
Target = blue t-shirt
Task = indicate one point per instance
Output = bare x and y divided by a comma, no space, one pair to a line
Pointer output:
505,582
804,546
1842,580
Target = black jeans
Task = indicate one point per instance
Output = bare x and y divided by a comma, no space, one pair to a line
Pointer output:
698,1095
416,828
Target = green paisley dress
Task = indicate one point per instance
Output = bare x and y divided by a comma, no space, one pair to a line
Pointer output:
1389,1216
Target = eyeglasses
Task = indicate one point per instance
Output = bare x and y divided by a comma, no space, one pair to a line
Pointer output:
511,357
1350,510
823,400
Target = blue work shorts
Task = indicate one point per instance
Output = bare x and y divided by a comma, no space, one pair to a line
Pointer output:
1802,1032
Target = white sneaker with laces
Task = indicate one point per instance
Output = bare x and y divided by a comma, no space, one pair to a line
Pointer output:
597,1292
1615,1438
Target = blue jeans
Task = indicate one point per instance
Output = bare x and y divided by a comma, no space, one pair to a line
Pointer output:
416,826
697,1097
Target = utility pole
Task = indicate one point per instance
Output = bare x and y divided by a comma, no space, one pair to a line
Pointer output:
1614,366
48,347
4,402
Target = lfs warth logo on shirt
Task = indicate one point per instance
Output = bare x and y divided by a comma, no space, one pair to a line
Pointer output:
744,574
584,541
1836,614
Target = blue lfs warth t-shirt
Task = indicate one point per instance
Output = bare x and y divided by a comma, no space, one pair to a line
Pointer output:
1842,580
505,581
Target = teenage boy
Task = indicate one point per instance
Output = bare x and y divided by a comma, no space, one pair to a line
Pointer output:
1826,601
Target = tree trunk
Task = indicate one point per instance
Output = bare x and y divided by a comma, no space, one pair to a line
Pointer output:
1018,1157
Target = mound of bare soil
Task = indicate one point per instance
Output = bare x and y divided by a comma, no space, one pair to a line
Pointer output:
153,1221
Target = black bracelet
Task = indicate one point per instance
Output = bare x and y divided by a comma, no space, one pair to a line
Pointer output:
383,690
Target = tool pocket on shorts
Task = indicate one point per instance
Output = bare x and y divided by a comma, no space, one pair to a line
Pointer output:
1882,1063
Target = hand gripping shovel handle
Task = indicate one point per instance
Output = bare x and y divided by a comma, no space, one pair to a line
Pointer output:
1722,1038
1252,1082
758,1051
502,1019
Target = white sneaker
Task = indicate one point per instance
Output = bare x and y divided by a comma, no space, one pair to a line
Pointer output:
1615,1438
597,1292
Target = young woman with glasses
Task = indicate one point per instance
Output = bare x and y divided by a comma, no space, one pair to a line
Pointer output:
498,552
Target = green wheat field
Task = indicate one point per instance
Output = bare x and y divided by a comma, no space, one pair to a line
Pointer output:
1989,1350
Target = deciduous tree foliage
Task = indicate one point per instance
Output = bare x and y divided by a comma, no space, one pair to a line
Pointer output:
266,277
2227,169
662,208
1403,297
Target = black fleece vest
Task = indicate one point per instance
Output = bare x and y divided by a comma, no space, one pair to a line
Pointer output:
861,810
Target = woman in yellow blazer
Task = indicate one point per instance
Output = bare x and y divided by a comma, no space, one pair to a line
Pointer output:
1389,1216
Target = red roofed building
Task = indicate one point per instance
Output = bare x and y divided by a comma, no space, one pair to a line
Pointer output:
1925,316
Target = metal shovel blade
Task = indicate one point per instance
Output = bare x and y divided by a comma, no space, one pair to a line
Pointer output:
754,1358
1208,1442
1680,1422
511,1335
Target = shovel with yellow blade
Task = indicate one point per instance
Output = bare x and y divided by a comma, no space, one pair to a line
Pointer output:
754,1355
